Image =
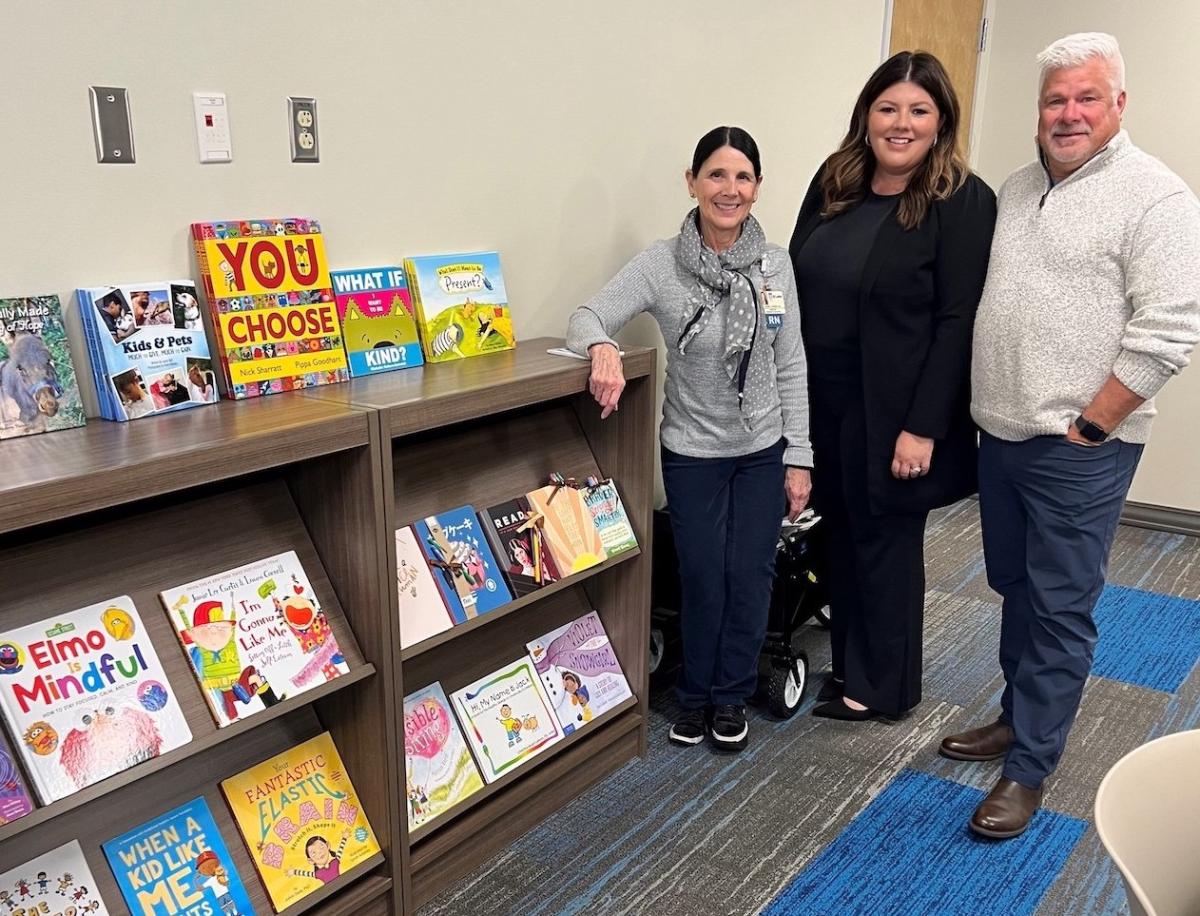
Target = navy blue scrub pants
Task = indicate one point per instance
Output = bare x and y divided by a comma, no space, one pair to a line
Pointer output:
1049,509
725,516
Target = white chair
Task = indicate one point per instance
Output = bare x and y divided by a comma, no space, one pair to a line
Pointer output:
1148,818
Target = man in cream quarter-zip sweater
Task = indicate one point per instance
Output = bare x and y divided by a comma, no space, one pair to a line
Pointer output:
1092,303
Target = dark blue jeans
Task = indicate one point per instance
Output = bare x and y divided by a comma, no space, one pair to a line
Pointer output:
1049,510
725,515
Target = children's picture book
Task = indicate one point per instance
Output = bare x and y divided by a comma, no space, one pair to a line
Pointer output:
438,769
608,515
507,718
580,671
177,863
300,820
422,609
378,324
85,696
461,303
272,305
567,528
56,883
515,533
15,800
148,349
456,548
255,635
38,389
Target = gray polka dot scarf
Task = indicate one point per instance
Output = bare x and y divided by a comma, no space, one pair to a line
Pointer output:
721,277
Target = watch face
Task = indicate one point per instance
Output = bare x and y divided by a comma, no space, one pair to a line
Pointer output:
1090,430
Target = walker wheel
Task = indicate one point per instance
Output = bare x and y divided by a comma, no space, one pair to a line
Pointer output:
785,689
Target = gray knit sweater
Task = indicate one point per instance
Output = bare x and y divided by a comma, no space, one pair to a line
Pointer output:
1097,275
701,417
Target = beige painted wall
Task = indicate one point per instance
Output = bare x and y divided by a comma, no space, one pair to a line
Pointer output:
556,133
1159,43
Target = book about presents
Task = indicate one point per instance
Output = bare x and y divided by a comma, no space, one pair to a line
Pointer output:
301,821
272,305
506,717
85,696
515,533
378,325
148,350
579,671
608,515
567,527
15,800
456,548
422,609
38,389
177,863
255,635
461,304
438,769
56,883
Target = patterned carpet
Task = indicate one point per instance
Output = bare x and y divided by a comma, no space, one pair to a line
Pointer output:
821,817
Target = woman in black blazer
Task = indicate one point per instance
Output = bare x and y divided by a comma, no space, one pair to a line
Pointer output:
890,252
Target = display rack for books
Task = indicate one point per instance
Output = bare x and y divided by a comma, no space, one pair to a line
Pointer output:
478,431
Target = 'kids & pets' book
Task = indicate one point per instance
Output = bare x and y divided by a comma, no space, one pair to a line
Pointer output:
177,863
272,306
254,635
457,550
438,769
377,320
148,350
38,389
462,305
580,671
53,884
85,697
300,820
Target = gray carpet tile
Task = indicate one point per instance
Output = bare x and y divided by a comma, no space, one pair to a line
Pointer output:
1088,885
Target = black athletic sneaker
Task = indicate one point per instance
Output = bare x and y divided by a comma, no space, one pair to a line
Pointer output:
729,728
690,728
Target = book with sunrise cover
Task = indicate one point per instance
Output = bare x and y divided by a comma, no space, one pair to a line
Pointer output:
254,635
456,548
272,305
177,863
423,610
461,304
579,671
378,326
38,389
568,528
85,697
438,769
53,884
300,819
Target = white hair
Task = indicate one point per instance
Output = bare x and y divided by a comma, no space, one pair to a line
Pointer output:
1076,50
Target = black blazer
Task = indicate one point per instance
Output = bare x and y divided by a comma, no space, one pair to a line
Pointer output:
917,303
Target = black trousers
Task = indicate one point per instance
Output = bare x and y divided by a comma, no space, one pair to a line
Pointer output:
725,515
876,567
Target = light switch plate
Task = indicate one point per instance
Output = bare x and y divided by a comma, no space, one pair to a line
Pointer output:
213,136
302,116
112,125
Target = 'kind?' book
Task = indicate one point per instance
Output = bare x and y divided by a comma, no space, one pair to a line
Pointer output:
377,320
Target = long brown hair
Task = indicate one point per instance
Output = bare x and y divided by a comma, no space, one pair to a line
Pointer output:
848,171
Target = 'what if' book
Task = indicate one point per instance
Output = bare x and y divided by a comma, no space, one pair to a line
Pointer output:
377,320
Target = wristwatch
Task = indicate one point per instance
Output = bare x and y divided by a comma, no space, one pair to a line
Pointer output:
1090,430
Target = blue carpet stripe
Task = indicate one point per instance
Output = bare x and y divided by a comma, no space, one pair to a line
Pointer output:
909,851
1146,639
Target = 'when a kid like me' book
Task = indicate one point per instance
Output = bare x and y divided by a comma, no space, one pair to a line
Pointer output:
456,548
507,718
255,635
272,306
514,530
461,303
178,863
56,883
579,671
300,819
85,697
38,389
377,320
438,769
422,609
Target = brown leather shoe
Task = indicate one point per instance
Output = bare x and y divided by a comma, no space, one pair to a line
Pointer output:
1006,811
987,743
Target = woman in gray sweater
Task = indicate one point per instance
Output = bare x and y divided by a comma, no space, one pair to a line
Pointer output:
735,449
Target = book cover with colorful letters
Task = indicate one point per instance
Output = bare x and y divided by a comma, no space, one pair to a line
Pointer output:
608,514
438,769
56,883
378,325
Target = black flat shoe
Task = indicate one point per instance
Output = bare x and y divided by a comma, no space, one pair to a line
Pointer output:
837,709
832,689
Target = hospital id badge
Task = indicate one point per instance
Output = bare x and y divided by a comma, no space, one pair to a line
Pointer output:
773,307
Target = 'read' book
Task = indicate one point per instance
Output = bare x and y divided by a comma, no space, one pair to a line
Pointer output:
38,389
439,771
272,305
456,548
579,671
378,325
461,304
254,635
55,883
423,611
177,863
85,696
515,533
300,819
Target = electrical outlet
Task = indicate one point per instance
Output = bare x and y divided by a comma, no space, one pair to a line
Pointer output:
302,116
112,125
213,136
